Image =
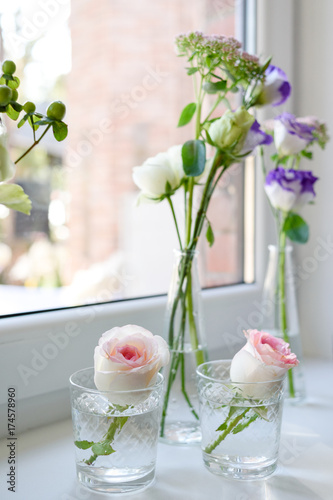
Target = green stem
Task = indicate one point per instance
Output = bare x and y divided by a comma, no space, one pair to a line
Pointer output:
183,385
212,109
264,171
189,210
117,423
175,358
175,220
282,297
224,434
33,145
205,199
199,355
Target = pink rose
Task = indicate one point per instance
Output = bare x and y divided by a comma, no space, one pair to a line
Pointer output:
128,358
264,358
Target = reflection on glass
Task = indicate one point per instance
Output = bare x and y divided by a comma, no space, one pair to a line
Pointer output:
117,71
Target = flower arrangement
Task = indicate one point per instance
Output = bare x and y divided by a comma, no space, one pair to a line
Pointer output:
223,136
288,189
253,370
12,195
126,364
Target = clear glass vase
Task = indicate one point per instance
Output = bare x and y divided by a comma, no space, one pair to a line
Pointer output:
240,422
185,334
115,434
280,313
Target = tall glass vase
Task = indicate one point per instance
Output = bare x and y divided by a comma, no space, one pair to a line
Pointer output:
184,331
280,312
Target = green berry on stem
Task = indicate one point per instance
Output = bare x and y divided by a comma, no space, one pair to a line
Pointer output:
8,67
29,107
14,95
5,95
56,110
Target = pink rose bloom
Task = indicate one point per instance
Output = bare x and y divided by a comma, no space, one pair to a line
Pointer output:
128,358
264,358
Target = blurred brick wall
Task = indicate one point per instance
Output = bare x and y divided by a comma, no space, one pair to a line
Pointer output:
124,100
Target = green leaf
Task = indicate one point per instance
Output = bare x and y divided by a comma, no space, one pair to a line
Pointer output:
208,61
13,196
187,114
14,83
11,112
307,154
45,121
234,409
7,77
168,188
194,157
103,448
191,71
33,120
83,445
60,130
222,427
240,427
208,137
266,64
22,122
261,411
214,87
209,234
17,106
296,228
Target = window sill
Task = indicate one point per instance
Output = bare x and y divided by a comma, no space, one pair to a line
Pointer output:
45,461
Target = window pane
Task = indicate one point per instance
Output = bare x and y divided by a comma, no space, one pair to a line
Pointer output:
116,69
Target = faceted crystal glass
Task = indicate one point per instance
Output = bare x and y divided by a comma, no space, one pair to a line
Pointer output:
115,434
240,423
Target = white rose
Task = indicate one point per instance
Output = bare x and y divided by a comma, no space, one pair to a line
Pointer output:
152,177
128,358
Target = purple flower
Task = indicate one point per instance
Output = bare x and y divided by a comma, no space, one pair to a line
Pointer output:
291,135
290,189
276,88
255,137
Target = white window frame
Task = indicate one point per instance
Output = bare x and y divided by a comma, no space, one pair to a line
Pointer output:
54,344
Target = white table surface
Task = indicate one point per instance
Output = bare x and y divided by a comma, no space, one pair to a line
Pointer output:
46,468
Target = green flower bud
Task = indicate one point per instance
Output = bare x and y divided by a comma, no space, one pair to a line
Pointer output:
231,129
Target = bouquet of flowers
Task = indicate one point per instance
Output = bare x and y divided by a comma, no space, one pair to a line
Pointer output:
224,135
12,195
289,188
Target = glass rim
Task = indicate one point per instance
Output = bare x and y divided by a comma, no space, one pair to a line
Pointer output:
157,384
227,380
178,251
288,248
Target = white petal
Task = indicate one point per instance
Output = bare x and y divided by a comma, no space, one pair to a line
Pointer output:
280,198
286,143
